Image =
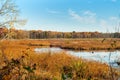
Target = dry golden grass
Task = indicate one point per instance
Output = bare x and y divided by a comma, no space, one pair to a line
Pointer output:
52,66
75,44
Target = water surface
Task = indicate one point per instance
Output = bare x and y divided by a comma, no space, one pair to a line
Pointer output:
101,56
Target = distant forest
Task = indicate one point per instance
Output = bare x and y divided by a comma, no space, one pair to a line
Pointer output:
39,34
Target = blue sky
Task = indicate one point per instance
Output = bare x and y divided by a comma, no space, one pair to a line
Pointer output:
70,15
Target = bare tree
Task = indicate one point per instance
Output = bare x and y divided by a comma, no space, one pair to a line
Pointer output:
9,13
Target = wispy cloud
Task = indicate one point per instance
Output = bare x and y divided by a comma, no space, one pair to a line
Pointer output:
75,15
103,23
87,18
89,13
90,18
114,18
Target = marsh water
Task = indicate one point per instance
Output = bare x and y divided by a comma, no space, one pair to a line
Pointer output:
101,56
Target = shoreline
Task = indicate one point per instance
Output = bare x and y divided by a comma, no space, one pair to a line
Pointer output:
70,44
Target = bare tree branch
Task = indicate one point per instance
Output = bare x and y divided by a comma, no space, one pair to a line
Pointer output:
14,21
8,13
8,7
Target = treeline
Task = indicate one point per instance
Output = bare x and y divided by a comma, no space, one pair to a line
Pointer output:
39,34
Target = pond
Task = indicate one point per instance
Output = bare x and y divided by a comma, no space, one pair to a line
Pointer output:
101,56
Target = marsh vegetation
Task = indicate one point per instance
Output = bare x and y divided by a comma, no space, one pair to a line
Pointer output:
19,61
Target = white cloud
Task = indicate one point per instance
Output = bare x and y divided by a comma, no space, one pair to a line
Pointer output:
113,18
89,13
87,18
75,15
103,23
109,23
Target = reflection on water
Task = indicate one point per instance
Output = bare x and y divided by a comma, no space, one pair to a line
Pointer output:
45,50
100,56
